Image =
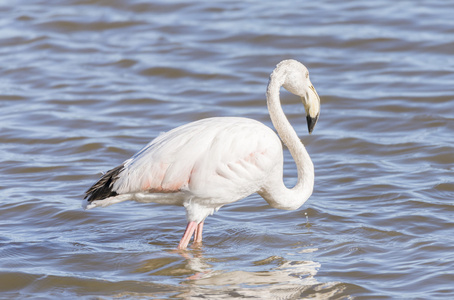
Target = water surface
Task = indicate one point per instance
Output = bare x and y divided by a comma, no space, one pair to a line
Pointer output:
85,84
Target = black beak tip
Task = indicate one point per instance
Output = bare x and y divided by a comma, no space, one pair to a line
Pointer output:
311,123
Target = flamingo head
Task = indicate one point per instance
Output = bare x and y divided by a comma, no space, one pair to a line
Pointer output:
297,82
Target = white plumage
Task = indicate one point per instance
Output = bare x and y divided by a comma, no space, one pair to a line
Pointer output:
212,162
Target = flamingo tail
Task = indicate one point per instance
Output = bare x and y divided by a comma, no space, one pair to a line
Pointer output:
102,189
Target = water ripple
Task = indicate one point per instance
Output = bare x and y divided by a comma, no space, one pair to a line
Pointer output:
85,84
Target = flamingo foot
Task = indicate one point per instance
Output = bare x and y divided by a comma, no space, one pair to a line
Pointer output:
191,229
198,233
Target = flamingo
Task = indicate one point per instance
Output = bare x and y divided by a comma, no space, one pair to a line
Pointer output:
212,162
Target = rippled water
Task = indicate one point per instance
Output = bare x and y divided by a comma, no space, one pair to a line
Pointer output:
85,84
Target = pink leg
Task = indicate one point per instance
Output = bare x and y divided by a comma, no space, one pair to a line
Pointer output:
187,235
198,233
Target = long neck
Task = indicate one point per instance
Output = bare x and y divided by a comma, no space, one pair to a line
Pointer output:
278,195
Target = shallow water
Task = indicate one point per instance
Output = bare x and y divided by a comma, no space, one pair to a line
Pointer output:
85,84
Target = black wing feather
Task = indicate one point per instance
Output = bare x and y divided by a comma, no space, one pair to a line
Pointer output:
102,189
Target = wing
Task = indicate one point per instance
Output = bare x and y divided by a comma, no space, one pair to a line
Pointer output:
216,158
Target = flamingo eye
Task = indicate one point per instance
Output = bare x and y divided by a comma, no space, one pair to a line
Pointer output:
307,74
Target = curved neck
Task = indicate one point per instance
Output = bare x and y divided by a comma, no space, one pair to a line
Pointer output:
278,195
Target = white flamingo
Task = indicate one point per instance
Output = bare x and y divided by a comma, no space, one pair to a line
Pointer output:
206,164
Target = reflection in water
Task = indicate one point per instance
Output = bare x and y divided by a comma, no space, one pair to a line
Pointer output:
285,278
288,279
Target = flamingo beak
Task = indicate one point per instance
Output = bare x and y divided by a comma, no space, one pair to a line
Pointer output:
312,108
311,122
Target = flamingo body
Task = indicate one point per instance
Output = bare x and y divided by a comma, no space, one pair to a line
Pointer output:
202,165
206,164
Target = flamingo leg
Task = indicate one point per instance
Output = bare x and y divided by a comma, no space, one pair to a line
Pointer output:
198,233
187,235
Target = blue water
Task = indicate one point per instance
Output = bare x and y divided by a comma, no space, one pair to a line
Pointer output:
86,84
